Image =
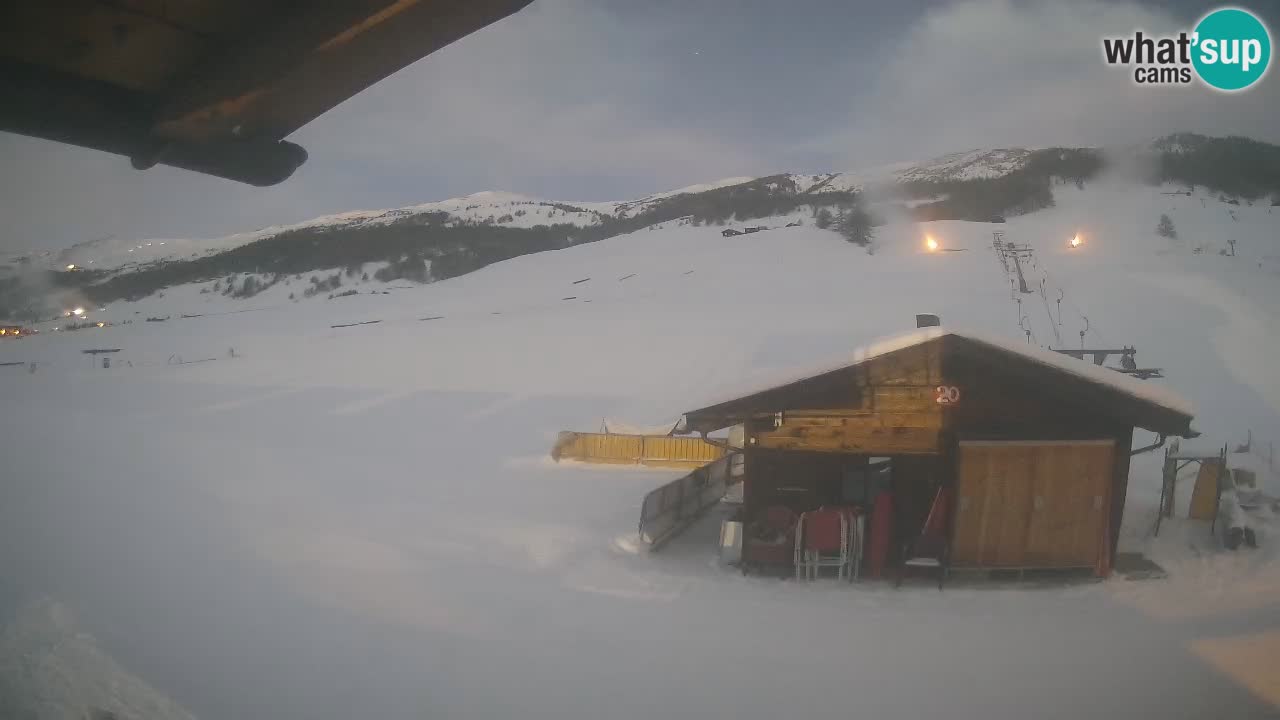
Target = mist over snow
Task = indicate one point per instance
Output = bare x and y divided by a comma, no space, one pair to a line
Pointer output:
275,507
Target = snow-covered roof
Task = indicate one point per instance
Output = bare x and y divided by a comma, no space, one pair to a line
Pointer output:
788,376
1138,389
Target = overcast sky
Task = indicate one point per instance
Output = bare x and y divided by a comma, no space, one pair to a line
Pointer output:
612,99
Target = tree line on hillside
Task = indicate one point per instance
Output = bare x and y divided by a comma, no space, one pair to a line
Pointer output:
1236,166
452,250
449,246
1024,190
852,221
453,247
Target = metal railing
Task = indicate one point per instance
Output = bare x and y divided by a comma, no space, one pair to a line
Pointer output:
670,509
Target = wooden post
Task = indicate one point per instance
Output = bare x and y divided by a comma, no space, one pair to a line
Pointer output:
1217,495
1166,487
1169,486
1119,492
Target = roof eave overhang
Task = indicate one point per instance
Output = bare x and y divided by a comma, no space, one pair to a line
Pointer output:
229,114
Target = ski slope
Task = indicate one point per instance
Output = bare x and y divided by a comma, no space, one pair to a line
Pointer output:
362,521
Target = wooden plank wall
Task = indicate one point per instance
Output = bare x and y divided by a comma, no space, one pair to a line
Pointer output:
894,412
1119,493
1033,505
799,480
998,405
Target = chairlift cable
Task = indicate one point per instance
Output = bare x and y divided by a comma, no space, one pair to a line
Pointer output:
1063,297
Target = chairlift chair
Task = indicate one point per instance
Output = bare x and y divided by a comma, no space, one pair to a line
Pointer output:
1128,365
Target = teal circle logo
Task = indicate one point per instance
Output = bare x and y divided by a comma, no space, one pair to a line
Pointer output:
1232,49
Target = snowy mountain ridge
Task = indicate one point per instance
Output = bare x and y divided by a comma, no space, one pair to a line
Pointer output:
443,239
509,209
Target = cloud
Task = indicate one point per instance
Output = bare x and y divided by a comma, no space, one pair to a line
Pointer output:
605,99
54,195
999,73
560,90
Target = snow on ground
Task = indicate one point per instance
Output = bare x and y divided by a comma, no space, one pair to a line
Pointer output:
360,521
51,669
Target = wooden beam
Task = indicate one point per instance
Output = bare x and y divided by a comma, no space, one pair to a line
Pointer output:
98,41
283,73
1119,491
852,439
864,421
909,398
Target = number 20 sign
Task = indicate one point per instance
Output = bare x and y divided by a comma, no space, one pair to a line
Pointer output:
946,394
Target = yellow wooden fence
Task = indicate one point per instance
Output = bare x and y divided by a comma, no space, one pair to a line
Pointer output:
650,450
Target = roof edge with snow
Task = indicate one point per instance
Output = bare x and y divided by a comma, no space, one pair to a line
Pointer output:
1173,413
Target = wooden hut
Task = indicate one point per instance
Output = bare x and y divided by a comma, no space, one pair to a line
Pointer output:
1032,446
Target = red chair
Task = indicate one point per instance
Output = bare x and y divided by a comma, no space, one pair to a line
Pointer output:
932,548
823,541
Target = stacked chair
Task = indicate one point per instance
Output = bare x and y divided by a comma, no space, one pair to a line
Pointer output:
829,537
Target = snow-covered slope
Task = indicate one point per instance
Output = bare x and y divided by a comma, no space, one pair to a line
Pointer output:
50,668
1133,286
360,518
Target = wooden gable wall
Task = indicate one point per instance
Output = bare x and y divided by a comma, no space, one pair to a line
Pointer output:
917,400
996,403
892,411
